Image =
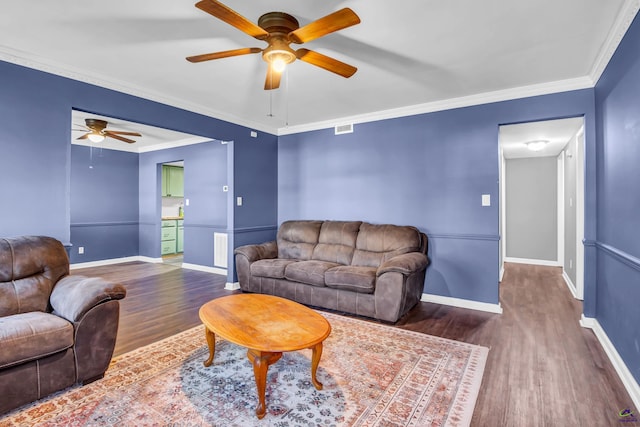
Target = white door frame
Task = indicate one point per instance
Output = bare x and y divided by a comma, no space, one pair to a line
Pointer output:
580,170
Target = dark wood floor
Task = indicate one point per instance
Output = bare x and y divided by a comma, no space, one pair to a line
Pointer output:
543,369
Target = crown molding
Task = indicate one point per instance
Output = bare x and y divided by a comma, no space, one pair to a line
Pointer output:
449,104
24,59
622,23
624,19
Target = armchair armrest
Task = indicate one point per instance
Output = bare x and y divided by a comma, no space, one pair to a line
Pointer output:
256,252
406,264
73,296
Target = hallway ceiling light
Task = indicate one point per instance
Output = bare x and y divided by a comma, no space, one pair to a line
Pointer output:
537,145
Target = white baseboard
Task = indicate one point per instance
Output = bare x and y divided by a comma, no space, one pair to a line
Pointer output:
621,368
544,262
570,285
214,270
102,262
462,303
232,286
501,273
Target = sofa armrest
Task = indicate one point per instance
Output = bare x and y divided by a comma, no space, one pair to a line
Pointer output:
256,252
406,264
73,296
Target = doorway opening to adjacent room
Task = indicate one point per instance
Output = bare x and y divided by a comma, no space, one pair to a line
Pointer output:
123,187
542,196
173,201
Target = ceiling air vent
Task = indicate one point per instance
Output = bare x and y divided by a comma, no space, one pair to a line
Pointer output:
340,129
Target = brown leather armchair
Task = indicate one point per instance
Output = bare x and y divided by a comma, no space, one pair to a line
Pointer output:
56,330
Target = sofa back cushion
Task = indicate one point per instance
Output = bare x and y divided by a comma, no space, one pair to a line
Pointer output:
337,241
30,266
297,239
377,243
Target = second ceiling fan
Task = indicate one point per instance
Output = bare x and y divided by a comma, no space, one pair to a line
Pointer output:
279,30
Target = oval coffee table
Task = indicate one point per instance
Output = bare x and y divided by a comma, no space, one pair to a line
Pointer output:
267,326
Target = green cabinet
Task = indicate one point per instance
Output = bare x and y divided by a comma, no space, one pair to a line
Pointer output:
172,236
168,234
172,181
180,236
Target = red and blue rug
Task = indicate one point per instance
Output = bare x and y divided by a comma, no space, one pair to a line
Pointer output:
373,375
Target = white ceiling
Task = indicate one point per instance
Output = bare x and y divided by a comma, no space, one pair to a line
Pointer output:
152,138
513,138
412,56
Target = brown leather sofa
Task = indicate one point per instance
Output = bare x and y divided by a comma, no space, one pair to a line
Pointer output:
55,330
350,266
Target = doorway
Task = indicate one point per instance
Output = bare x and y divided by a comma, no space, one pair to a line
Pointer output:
542,196
172,216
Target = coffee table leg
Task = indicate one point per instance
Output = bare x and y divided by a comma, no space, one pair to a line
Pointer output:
211,341
261,361
315,361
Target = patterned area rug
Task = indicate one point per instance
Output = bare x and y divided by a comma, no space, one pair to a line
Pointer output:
373,375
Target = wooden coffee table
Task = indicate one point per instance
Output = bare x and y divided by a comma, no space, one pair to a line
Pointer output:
268,326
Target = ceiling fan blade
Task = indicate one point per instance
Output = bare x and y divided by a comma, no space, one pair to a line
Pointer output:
273,79
85,136
223,54
120,138
119,132
232,17
335,21
326,62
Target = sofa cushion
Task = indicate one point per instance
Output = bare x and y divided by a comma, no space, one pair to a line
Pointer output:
337,241
296,239
29,268
381,242
270,267
309,272
352,278
29,336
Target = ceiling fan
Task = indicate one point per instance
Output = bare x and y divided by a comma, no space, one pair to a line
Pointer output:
98,132
279,30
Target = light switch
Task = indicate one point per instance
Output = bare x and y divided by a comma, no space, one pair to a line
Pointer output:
254,134
186,202
225,188
486,200
239,201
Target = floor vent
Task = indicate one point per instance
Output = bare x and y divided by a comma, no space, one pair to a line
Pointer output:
220,250
340,129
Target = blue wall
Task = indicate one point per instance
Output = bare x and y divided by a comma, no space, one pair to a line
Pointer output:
104,203
429,171
618,209
35,135
255,179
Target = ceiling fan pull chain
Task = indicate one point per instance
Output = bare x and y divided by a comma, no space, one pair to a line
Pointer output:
286,101
270,104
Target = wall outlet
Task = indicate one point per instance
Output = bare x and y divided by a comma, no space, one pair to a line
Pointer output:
80,250
225,188
239,201
254,134
486,200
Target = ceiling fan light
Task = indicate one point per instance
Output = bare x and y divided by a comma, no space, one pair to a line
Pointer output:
278,65
279,58
537,145
95,137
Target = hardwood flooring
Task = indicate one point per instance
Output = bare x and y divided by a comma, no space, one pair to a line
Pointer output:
543,369
162,299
